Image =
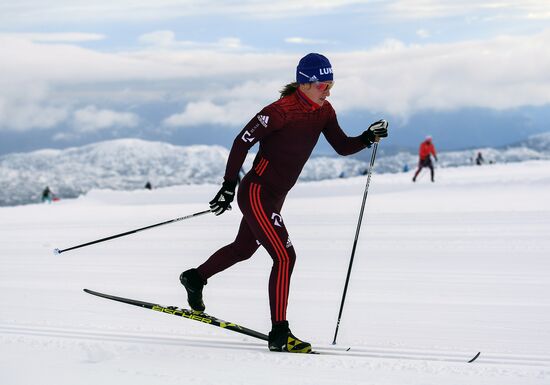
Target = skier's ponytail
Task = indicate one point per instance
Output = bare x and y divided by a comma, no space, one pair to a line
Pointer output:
289,89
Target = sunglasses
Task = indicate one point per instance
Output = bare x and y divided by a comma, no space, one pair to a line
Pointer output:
324,86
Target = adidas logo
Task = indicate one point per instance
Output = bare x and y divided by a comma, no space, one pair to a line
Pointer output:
288,243
312,79
263,119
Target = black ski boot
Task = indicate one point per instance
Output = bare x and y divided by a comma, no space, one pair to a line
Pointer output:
281,339
193,283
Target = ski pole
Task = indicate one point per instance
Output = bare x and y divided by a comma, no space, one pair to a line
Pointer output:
356,238
58,251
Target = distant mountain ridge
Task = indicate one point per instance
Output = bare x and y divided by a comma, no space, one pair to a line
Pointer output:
127,164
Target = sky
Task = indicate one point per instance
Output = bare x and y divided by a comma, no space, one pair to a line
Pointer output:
194,72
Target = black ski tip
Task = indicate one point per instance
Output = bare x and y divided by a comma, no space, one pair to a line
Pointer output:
475,357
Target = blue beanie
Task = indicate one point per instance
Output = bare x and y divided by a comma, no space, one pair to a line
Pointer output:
312,68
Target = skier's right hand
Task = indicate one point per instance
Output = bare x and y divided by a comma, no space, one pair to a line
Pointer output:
224,197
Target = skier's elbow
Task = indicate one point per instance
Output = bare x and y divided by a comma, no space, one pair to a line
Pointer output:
343,150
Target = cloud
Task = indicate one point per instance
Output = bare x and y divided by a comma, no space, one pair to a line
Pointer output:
303,40
57,12
69,63
92,119
500,73
167,40
423,33
29,116
30,12
490,9
25,105
207,112
67,37
231,106
42,83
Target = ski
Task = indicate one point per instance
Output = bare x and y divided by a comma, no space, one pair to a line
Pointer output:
185,313
330,350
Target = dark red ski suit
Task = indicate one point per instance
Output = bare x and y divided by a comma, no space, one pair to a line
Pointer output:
287,131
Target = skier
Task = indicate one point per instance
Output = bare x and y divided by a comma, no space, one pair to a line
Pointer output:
425,152
47,195
287,131
479,159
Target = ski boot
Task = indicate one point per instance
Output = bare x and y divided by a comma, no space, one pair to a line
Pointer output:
281,339
194,284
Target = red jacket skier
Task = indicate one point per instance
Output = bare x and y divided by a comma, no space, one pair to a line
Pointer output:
287,131
426,149
425,152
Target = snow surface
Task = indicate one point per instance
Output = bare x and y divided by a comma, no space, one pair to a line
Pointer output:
442,271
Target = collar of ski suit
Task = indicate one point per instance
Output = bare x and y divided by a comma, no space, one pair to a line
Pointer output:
307,103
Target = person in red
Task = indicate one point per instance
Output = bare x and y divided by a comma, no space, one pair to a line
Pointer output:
287,131
425,152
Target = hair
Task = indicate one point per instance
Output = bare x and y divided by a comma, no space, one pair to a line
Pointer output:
289,89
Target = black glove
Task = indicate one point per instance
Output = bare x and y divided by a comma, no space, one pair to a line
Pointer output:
224,197
377,129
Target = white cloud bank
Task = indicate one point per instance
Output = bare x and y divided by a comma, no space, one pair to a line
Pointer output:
399,79
29,12
509,9
305,40
500,73
67,37
91,119
25,105
226,88
167,40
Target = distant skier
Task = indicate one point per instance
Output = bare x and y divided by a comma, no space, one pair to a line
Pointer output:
47,195
287,131
479,159
148,185
425,152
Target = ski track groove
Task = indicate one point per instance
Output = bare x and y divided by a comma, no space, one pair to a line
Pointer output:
201,342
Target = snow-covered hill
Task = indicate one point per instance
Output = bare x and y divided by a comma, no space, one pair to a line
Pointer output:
127,164
124,164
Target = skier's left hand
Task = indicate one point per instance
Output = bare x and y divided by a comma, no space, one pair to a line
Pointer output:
376,130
